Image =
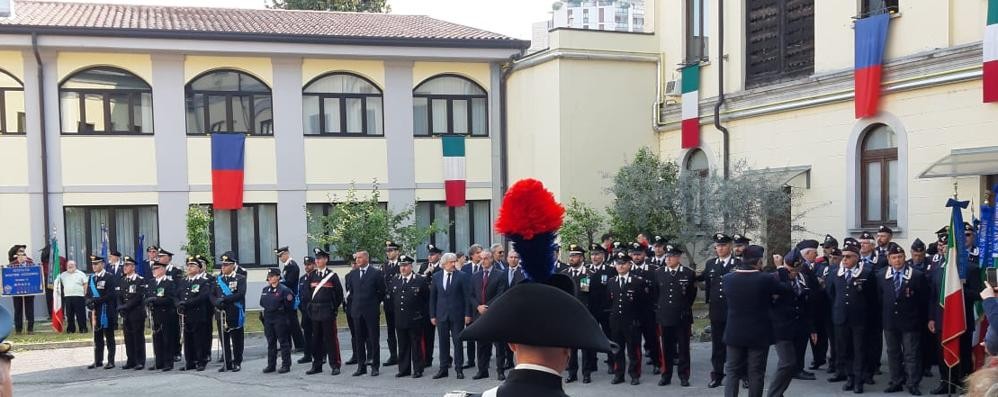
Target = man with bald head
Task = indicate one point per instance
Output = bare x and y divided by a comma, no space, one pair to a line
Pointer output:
367,290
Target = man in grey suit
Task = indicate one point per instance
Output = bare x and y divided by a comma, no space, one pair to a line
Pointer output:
450,311
487,285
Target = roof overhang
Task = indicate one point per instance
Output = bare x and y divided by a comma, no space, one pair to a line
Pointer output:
798,176
964,162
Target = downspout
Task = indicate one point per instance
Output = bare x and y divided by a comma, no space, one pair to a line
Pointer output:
720,86
44,141
505,70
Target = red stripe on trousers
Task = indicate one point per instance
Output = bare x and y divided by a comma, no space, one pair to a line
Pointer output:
336,344
661,349
691,133
867,90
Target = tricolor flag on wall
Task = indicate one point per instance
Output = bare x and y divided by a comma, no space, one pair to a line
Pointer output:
871,37
58,317
691,106
228,152
454,163
951,291
991,54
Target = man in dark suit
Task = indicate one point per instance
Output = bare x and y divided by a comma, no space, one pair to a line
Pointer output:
367,291
712,277
514,276
470,268
602,271
428,269
904,300
676,290
289,277
302,297
102,300
791,319
823,345
390,271
920,261
487,285
853,292
409,294
450,311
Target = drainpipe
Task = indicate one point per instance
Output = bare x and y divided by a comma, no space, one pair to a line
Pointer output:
41,117
506,69
720,85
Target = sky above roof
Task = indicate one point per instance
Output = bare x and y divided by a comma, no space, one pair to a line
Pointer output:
510,17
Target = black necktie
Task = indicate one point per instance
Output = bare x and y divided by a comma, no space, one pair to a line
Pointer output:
447,283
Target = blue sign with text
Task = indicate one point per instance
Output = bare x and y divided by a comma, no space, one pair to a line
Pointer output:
22,280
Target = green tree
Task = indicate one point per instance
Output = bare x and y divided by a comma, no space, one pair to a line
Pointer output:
581,224
364,224
642,191
199,220
378,6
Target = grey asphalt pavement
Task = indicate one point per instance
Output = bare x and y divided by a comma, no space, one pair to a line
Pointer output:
61,372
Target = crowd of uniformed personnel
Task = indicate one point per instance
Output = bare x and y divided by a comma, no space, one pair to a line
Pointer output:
846,303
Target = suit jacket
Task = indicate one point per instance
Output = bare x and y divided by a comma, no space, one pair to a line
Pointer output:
485,293
531,383
713,280
367,292
790,313
107,287
290,276
408,301
904,310
391,272
626,301
454,303
750,296
237,284
518,277
161,296
426,269
854,302
676,294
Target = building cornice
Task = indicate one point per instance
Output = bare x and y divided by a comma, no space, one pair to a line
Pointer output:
923,70
583,55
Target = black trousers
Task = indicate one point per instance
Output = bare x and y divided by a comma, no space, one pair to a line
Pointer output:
588,361
135,339
390,330
325,344
306,333
48,301
819,347
276,330
955,375
604,323
449,333
104,337
904,361
649,332
429,336
745,363
24,309
294,329
206,336
676,350
353,337
874,346
786,367
412,349
718,352
485,356
368,340
801,341
232,346
628,337
178,341
929,349
832,344
76,313
194,353
851,348
163,338
472,351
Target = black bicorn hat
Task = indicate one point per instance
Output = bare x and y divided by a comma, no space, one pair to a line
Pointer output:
865,235
894,248
273,271
836,251
809,243
281,250
850,244
942,235
830,242
917,245
320,253
406,259
538,314
673,250
228,258
621,256
433,249
575,249
721,238
163,252
967,227
392,245
740,239
619,246
597,248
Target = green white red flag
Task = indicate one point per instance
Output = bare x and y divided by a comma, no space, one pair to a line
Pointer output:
991,54
951,292
58,317
690,135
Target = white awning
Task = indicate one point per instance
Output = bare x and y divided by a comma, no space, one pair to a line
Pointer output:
798,176
965,162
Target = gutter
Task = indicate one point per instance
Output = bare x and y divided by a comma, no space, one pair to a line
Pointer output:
44,139
583,55
726,137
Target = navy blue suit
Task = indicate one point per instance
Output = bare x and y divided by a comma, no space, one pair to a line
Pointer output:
449,306
854,308
366,294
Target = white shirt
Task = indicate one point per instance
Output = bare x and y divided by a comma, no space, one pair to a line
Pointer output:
72,283
536,367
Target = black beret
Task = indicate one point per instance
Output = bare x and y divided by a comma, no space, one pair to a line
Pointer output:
721,238
805,244
752,253
836,252
866,236
917,245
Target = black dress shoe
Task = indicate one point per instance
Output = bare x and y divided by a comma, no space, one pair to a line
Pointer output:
299,350
744,383
304,360
351,361
401,374
684,382
927,373
374,372
571,378
359,372
176,358
459,374
467,365
869,381
108,365
417,375
167,369
893,389
815,366
440,374
664,381
139,367
617,380
335,371
831,369
236,368
809,373
95,365
313,371
586,379
838,378
714,383
268,369
656,370
391,361
201,367
914,390
858,388
284,369
127,366
635,381
153,368
223,369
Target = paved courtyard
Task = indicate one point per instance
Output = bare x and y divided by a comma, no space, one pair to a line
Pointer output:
61,372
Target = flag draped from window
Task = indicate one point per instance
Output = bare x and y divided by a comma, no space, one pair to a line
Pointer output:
228,152
691,106
455,184
871,38
951,291
991,54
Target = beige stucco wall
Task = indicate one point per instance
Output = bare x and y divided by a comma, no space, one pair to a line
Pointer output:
933,121
113,160
260,161
346,160
534,124
15,164
430,160
15,211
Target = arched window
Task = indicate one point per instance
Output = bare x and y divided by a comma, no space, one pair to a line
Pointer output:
697,167
879,176
11,104
696,163
228,101
105,100
449,104
348,105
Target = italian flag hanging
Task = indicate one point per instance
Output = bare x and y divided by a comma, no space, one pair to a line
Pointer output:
691,106
454,169
991,54
951,291
58,318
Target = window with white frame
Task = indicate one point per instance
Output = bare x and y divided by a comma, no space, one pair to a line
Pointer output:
342,103
450,104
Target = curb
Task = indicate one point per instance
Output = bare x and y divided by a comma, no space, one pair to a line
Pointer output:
22,347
